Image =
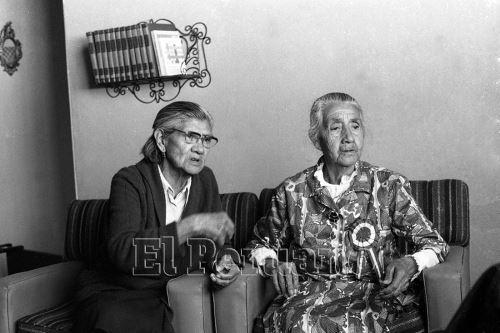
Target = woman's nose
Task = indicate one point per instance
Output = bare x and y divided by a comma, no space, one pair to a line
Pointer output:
198,147
347,135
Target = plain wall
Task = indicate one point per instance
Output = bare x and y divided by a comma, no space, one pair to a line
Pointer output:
426,72
36,179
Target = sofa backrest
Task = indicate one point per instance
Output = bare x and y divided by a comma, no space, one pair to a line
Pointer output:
242,208
87,218
85,230
445,202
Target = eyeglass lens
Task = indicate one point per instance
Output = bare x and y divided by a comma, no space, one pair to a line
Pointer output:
208,141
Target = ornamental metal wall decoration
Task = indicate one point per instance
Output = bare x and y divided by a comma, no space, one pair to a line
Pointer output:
10,49
196,71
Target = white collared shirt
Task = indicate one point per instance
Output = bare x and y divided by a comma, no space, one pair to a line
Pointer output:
335,190
174,205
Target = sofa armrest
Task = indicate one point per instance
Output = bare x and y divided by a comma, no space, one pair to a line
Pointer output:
191,302
445,287
237,305
27,292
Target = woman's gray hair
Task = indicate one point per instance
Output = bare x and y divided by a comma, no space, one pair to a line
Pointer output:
173,117
322,104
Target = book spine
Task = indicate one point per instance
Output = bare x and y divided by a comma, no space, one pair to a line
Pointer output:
144,53
104,56
131,52
93,57
118,52
111,61
137,51
153,67
125,54
98,53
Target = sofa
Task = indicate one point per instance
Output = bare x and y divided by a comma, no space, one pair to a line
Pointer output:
41,300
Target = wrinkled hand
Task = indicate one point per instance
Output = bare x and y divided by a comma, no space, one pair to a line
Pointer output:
284,275
397,277
226,271
217,226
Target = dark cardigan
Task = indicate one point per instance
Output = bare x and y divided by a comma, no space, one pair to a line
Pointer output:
137,211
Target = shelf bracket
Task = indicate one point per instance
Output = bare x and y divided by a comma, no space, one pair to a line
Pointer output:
165,89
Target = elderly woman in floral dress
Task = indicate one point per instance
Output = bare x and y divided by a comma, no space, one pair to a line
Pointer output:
329,241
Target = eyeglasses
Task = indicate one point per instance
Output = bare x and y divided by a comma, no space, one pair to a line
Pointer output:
208,141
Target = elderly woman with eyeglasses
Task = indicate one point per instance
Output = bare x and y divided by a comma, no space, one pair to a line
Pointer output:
329,239
155,207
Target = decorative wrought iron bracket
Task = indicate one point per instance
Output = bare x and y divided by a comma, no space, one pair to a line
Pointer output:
197,73
10,49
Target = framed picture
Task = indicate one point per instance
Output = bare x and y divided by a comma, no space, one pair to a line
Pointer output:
170,52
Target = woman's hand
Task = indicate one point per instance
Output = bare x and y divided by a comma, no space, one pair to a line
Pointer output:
284,275
397,277
226,271
217,226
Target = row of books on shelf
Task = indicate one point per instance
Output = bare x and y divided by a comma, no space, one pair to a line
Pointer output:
136,52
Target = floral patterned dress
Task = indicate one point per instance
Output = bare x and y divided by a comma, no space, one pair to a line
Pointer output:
341,249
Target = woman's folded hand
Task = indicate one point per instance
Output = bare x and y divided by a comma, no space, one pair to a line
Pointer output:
226,271
284,275
397,277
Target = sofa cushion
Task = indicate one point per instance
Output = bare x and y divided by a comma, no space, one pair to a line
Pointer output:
445,202
58,319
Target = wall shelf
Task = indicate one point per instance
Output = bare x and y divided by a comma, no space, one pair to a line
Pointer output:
167,88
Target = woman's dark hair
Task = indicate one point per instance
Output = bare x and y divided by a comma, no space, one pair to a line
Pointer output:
172,117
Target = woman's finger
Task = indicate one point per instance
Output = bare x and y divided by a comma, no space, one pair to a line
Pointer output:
388,291
388,275
223,276
290,289
218,281
281,280
295,277
275,281
232,274
223,280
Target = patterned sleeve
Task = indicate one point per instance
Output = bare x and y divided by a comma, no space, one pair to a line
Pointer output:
410,222
271,232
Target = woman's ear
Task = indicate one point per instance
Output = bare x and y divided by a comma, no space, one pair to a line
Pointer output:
160,139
